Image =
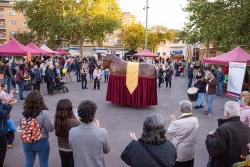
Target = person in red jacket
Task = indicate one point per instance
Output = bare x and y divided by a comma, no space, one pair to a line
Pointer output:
225,69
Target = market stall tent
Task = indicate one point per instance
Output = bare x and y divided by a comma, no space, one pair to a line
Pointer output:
44,47
236,55
33,46
14,48
61,52
145,53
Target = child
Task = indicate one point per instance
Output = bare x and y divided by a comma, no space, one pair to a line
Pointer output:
4,96
106,75
245,110
243,94
11,132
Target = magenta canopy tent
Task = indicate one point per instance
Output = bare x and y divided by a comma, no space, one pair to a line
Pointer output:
236,55
14,48
33,46
61,52
145,53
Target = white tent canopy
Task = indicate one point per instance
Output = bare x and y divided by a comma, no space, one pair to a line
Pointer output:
44,47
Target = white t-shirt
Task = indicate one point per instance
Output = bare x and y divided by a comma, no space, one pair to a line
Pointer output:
208,85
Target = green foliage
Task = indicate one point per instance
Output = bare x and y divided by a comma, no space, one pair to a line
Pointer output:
227,22
24,37
69,20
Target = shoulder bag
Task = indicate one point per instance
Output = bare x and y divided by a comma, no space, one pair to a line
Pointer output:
151,154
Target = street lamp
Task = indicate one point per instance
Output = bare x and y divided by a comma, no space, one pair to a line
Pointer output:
122,44
146,8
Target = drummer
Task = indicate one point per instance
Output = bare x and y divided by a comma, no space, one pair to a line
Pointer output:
200,84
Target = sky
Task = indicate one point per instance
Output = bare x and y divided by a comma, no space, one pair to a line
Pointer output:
161,12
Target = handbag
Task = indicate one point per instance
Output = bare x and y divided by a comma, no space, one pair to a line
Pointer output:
151,154
176,145
33,82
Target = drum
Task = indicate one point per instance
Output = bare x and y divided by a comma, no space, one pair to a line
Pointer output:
192,94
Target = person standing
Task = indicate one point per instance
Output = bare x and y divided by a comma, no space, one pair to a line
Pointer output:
207,74
84,77
14,68
154,139
214,69
43,69
91,71
78,69
4,111
50,80
97,76
229,141
160,76
64,121
11,131
210,93
7,75
88,141
184,133
68,73
35,109
200,84
190,75
36,77
168,77
106,75
57,70
20,80
245,110
220,78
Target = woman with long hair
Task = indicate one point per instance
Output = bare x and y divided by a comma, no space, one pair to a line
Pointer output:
20,79
153,140
64,121
35,108
160,76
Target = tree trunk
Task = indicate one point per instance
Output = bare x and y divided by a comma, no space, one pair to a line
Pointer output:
80,44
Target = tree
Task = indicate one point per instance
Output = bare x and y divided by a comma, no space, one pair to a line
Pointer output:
24,37
158,34
133,36
71,19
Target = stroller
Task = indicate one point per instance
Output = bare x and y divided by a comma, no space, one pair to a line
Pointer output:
60,85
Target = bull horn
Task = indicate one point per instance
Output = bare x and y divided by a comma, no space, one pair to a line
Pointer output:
102,54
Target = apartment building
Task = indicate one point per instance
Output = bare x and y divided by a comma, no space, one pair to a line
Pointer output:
10,22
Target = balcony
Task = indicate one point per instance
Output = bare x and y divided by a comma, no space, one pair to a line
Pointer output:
2,16
2,26
118,43
3,36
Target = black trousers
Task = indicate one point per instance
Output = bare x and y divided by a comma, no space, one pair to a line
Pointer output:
3,148
160,81
84,81
37,86
51,84
189,163
10,137
97,81
106,78
67,159
168,82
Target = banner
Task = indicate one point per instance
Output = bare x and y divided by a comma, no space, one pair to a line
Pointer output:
28,57
235,79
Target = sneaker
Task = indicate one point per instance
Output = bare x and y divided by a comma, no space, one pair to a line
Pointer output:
22,98
205,112
9,145
17,91
208,114
196,107
201,106
86,88
166,88
169,88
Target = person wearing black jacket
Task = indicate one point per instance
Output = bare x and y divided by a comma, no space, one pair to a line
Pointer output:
50,80
153,148
190,75
168,77
229,141
201,86
160,76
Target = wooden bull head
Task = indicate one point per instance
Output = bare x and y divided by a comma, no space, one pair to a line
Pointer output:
117,66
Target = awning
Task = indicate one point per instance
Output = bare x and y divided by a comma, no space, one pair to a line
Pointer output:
176,52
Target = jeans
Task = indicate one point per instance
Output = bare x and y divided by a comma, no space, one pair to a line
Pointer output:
67,159
106,78
20,88
10,137
78,75
200,99
84,81
7,81
159,83
209,99
97,82
190,80
168,82
219,89
91,77
40,147
3,148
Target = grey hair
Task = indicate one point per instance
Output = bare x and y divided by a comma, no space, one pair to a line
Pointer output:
191,65
185,106
233,108
154,129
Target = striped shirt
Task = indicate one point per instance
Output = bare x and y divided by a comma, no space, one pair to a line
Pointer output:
245,115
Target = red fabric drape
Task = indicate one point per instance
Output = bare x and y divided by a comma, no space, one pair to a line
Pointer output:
144,95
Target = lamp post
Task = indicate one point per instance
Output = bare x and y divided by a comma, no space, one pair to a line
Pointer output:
146,8
122,44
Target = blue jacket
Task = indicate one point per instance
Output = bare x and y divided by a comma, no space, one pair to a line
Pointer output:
55,72
11,125
220,77
190,73
50,75
68,66
4,111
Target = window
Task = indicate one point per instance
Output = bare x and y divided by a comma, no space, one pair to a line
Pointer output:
109,40
12,13
158,53
13,33
164,53
25,23
12,23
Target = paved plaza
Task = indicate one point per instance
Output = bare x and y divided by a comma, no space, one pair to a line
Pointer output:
120,120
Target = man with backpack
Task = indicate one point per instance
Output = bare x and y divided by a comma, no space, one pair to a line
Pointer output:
4,111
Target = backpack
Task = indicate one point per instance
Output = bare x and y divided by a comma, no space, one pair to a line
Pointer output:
31,131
